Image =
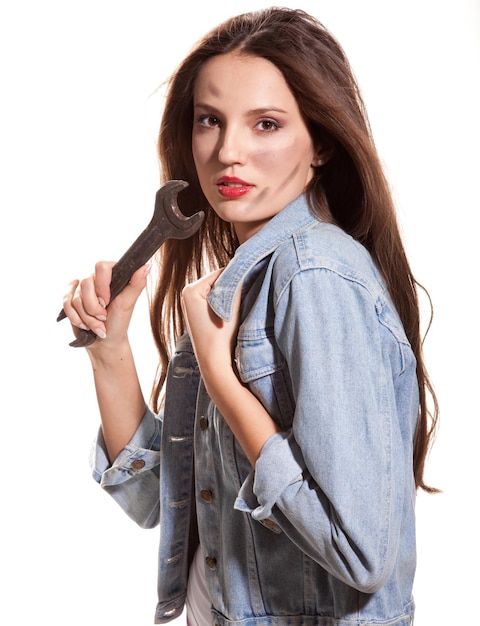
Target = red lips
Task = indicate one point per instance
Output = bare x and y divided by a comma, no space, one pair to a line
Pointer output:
232,187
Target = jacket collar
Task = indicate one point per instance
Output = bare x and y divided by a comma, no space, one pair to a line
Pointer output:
294,217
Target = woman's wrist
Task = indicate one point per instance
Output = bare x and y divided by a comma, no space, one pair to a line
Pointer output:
108,356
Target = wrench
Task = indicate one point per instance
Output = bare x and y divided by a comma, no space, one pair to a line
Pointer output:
168,222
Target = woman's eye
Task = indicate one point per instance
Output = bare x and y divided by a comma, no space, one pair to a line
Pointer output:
267,125
208,121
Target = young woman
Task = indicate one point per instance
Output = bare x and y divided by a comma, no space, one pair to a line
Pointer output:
289,426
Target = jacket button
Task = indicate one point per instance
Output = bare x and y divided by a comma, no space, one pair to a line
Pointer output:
206,495
138,464
211,562
203,423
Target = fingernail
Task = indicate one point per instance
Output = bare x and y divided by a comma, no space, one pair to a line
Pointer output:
102,302
83,327
101,318
100,333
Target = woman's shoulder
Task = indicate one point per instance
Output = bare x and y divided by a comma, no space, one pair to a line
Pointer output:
323,255
326,246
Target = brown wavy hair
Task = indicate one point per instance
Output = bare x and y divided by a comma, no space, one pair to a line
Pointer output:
350,189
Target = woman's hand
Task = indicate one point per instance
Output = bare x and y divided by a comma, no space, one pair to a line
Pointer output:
213,339
86,301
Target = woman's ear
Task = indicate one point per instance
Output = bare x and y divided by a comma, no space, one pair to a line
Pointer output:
322,155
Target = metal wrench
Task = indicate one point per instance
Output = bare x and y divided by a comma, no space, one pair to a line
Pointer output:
168,222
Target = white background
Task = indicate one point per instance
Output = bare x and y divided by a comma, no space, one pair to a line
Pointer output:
77,183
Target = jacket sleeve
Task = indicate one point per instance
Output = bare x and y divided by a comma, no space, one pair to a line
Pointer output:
336,482
132,479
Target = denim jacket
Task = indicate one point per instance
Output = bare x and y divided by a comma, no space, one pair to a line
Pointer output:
322,530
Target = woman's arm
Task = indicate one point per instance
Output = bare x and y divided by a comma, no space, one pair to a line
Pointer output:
340,484
119,394
213,341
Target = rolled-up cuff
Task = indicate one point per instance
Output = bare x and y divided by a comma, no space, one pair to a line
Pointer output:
139,455
277,468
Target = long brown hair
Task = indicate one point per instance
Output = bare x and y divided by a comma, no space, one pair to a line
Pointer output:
350,189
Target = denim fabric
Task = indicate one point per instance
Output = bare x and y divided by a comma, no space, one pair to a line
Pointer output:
323,531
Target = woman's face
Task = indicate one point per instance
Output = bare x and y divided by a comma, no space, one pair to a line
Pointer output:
251,147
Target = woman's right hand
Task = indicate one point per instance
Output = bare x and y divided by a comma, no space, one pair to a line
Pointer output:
86,301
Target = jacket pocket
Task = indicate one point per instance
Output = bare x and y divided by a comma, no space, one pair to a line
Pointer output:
261,365
257,354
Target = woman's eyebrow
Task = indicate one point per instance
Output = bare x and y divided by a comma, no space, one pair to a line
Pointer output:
268,109
256,111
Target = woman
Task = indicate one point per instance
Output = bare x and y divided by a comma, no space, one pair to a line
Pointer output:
292,425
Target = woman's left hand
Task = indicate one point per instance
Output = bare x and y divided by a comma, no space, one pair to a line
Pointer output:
213,339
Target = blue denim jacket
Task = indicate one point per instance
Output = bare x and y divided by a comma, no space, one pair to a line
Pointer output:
322,532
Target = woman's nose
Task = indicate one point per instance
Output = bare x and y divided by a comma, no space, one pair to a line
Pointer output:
232,148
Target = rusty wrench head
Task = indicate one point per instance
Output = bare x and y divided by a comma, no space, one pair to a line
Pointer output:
168,222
